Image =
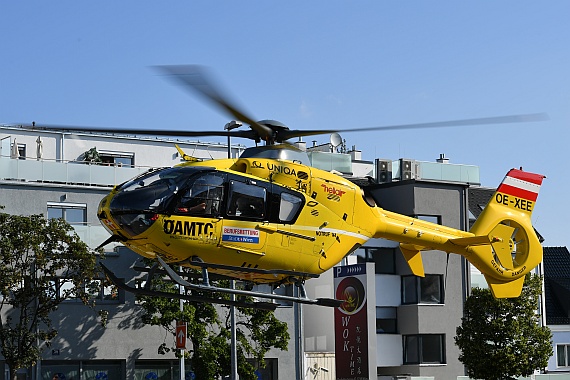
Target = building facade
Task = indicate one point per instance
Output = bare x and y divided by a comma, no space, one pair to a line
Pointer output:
45,172
556,268
415,317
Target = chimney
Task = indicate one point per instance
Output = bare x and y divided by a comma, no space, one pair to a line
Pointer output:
442,159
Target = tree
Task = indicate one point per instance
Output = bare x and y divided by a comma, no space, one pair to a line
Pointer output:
92,156
209,334
37,256
502,338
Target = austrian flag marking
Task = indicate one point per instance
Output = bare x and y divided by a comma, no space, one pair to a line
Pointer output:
521,184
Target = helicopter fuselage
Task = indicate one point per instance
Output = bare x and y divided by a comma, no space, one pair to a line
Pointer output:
259,213
273,220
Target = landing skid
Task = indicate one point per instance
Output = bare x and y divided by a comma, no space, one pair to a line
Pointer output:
207,287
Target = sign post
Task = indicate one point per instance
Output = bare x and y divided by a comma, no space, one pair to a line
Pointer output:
180,335
355,346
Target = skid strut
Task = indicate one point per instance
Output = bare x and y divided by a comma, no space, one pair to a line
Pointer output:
205,286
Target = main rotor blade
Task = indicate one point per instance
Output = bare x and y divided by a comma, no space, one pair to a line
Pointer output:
285,134
288,134
249,134
196,78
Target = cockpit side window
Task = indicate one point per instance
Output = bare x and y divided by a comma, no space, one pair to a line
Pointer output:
289,206
247,201
204,196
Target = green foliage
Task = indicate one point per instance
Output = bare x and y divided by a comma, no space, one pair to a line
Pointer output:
502,338
33,253
209,334
92,156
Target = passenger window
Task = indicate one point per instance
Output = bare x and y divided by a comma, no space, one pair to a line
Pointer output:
204,197
246,201
289,207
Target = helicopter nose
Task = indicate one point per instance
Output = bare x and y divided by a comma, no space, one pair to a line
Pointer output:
130,217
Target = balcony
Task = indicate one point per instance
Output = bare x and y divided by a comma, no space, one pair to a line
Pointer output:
331,161
435,171
93,236
69,172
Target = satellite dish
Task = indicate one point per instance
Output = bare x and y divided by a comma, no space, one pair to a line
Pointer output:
336,140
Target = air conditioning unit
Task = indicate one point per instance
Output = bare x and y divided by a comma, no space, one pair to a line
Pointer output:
383,171
408,169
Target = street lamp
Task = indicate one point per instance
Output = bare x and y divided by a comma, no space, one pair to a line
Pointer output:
229,126
234,375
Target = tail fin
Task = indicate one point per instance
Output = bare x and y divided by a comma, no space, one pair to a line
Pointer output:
504,245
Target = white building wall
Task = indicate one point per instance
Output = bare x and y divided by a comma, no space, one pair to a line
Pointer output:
388,350
151,152
560,335
388,290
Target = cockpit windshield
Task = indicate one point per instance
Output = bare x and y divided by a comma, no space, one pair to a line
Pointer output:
138,202
152,191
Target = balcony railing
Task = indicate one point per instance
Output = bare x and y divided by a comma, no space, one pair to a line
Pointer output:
70,172
93,236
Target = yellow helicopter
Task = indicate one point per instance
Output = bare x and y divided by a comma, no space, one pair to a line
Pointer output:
269,218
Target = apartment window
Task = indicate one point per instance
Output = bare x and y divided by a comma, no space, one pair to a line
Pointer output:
117,158
563,355
64,288
384,259
98,290
82,370
426,290
102,290
73,213
436,219
424,349
22,151
161,370
386,320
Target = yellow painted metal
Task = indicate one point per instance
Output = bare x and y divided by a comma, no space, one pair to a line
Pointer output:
334,222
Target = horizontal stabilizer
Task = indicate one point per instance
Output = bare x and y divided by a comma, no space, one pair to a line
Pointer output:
511,289
471,241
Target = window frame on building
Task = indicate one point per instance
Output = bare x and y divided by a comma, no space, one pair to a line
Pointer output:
564,349
435,219
113,158
106,292
66,208
386,320
418,287
384,258
79,369
421,354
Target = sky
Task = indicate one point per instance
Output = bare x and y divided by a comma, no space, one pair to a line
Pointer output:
312,64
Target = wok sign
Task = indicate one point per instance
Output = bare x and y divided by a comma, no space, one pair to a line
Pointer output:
351,324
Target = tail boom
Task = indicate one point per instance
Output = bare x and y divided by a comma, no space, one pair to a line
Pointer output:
502,243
